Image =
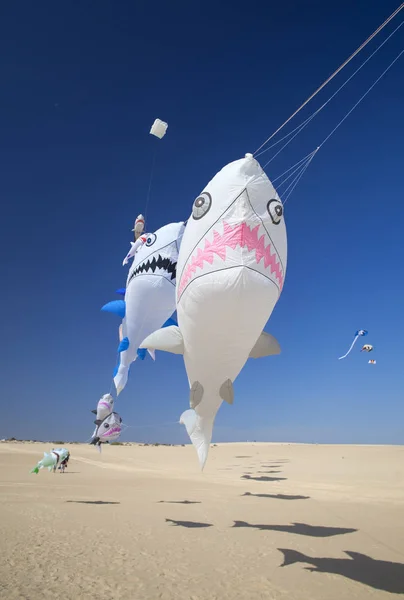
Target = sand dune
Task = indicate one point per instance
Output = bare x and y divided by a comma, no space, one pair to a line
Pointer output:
264,521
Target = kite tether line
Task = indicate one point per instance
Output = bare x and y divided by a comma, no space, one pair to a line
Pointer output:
327,81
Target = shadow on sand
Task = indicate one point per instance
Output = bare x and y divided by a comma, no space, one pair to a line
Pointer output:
300,529
263,478
378,574
178,502
269,471
188,524
91,502
278,496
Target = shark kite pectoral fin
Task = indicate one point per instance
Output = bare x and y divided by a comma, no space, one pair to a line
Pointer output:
94,412
152,353
123,345
266,345
226,391
199,430
168,339
195,394
116,307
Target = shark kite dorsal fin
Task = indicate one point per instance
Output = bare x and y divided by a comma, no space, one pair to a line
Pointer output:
266,345
168,339
94,412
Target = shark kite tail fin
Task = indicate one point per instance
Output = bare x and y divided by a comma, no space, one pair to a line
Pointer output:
291,557
199,430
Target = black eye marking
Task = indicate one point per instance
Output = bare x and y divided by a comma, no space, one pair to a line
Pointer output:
275,211
201,206
151,238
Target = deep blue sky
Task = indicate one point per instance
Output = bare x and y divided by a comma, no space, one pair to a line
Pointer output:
81,83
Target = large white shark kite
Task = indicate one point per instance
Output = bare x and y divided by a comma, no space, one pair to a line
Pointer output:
230,274
149,295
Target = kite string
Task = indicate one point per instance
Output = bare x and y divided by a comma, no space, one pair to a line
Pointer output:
360,99
295,181
150,181
342,121
148,426
290,168
294,174
376,32
300,127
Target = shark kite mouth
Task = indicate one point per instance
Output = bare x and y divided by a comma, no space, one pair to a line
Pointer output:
156,263
239,235
111,431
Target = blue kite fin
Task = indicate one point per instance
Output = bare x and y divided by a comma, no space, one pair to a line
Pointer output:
121,291
117,307
170,322
141,352
124,345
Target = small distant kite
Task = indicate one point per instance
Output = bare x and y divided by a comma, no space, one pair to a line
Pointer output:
372,362
367,348
159,128
360,332
138,226
107,429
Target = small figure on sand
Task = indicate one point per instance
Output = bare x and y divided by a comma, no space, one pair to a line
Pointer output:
52,460
64,462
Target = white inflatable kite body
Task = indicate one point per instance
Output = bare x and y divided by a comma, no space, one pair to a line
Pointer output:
51,460
150,293
159,128
105,407
231,271
138,226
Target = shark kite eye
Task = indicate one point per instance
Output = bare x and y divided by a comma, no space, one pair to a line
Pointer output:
275,210
106,425
201,205
151,238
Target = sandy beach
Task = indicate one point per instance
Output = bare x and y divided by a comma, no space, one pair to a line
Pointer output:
264,521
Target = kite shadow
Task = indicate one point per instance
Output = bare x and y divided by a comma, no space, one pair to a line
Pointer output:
178,502
91,502
378,574
188,524
317,531
277,496
243,457
263,478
